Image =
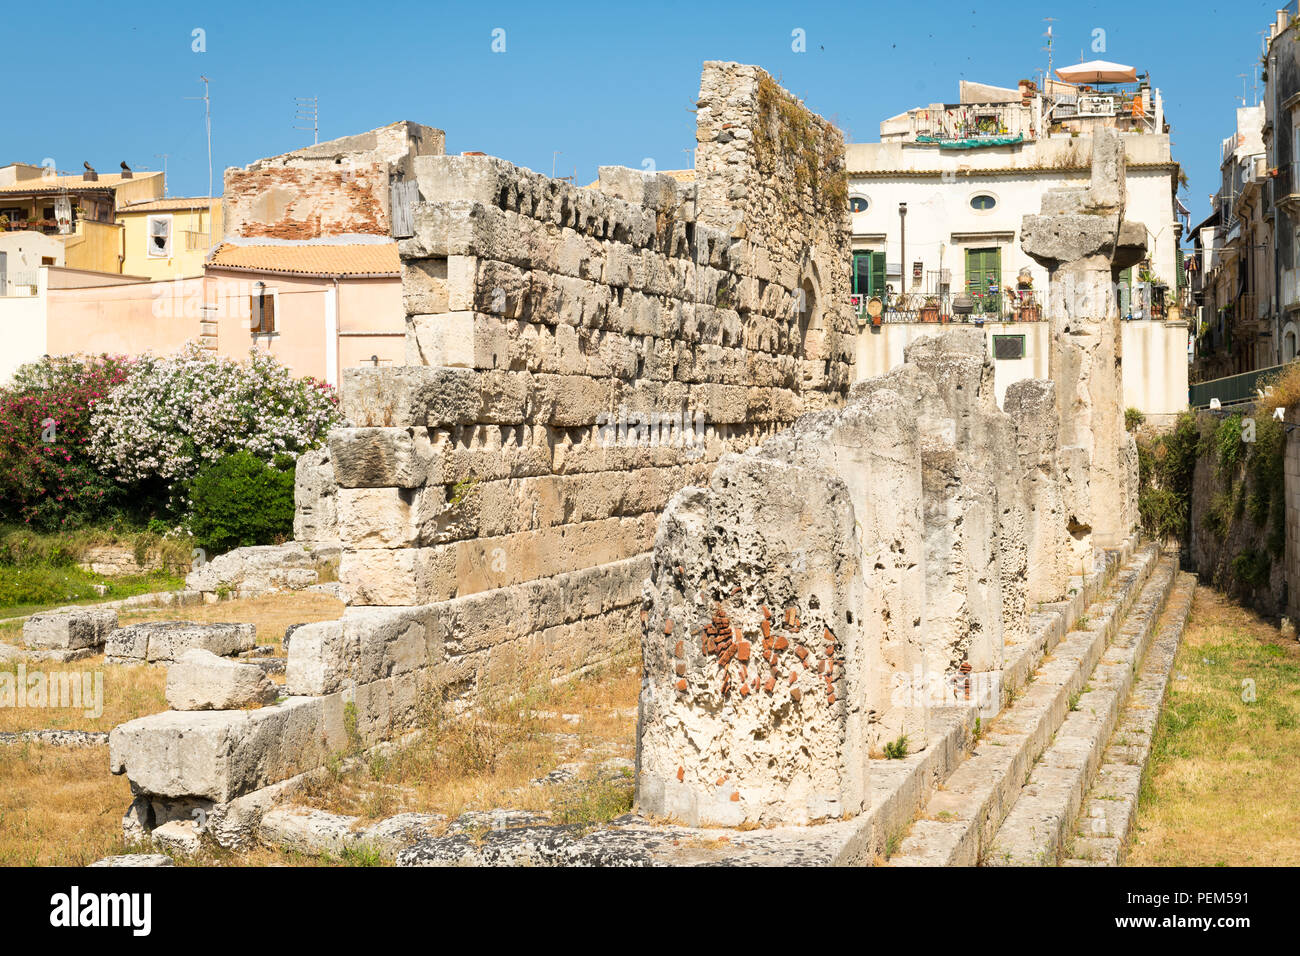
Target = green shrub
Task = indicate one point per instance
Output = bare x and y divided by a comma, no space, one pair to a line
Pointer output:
1133,418
239,501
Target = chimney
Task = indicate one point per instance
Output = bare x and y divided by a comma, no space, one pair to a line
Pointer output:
89,175
126,170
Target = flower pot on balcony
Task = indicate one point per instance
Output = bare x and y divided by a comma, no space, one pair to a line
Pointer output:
1031,313
929,313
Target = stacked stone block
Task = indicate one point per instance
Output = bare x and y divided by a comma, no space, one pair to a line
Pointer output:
576,357
885,528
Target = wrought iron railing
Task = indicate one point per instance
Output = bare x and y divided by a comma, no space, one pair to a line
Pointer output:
1016,306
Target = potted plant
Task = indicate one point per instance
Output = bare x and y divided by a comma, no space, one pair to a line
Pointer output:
930,310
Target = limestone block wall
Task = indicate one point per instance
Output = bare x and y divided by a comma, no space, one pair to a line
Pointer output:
830,586
576,357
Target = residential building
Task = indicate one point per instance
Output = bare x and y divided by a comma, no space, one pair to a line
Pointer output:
1281,135
1234,327
169,238
78,209
305,265
936,210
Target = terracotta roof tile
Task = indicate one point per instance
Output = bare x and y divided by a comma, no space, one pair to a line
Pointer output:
311,258
173,202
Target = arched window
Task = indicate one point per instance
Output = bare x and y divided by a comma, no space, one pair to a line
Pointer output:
859,203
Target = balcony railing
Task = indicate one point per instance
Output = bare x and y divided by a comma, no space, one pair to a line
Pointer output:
1017,306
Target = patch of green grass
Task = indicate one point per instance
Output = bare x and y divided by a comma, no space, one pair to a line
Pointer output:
1220,784
594,801
26,590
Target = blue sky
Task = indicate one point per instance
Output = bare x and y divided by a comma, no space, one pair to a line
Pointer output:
603,84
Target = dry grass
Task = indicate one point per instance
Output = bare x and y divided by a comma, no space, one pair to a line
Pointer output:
135,691
128,692
1284,393
59,806
1221,786
484,759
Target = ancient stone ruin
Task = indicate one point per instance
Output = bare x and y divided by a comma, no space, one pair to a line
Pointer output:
576,356
626,415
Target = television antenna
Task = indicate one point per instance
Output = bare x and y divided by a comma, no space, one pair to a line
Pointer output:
306,111
163,157
207,117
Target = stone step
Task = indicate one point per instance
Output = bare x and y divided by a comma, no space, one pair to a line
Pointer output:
963,815
1101,832
1038,826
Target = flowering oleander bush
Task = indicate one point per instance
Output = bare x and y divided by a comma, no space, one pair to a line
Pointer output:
175,414
48,477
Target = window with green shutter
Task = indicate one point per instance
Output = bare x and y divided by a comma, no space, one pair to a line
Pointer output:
868,273
984,278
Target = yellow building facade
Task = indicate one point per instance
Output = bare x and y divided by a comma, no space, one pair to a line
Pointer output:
168,238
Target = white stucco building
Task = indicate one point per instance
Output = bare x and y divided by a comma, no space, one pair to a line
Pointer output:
938,204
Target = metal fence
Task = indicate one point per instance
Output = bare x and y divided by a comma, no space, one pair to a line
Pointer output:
1231,389
1021,306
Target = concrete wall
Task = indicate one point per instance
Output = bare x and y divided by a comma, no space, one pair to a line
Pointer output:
1155,367
1154,356
362,317
22,327
24,250
878,352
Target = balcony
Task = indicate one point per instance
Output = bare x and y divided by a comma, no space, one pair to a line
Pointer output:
1006,306
1286,188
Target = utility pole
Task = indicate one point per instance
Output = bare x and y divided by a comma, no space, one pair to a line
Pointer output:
554,156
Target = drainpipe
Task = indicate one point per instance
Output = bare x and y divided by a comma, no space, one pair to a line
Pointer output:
902,247
332,335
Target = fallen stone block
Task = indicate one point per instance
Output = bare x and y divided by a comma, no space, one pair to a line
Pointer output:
223,754
69,628
155,641
200,680
178,837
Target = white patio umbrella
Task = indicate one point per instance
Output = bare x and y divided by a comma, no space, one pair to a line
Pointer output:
1097,71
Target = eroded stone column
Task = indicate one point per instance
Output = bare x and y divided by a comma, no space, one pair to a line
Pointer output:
1083,240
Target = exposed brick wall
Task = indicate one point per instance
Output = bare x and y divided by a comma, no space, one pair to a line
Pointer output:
279,202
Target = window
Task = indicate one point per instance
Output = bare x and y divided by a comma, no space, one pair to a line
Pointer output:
859,203
984,279
868,273
160,236
982,202
1008,346
262,311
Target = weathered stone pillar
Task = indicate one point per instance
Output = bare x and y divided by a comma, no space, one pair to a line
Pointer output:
1082,239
